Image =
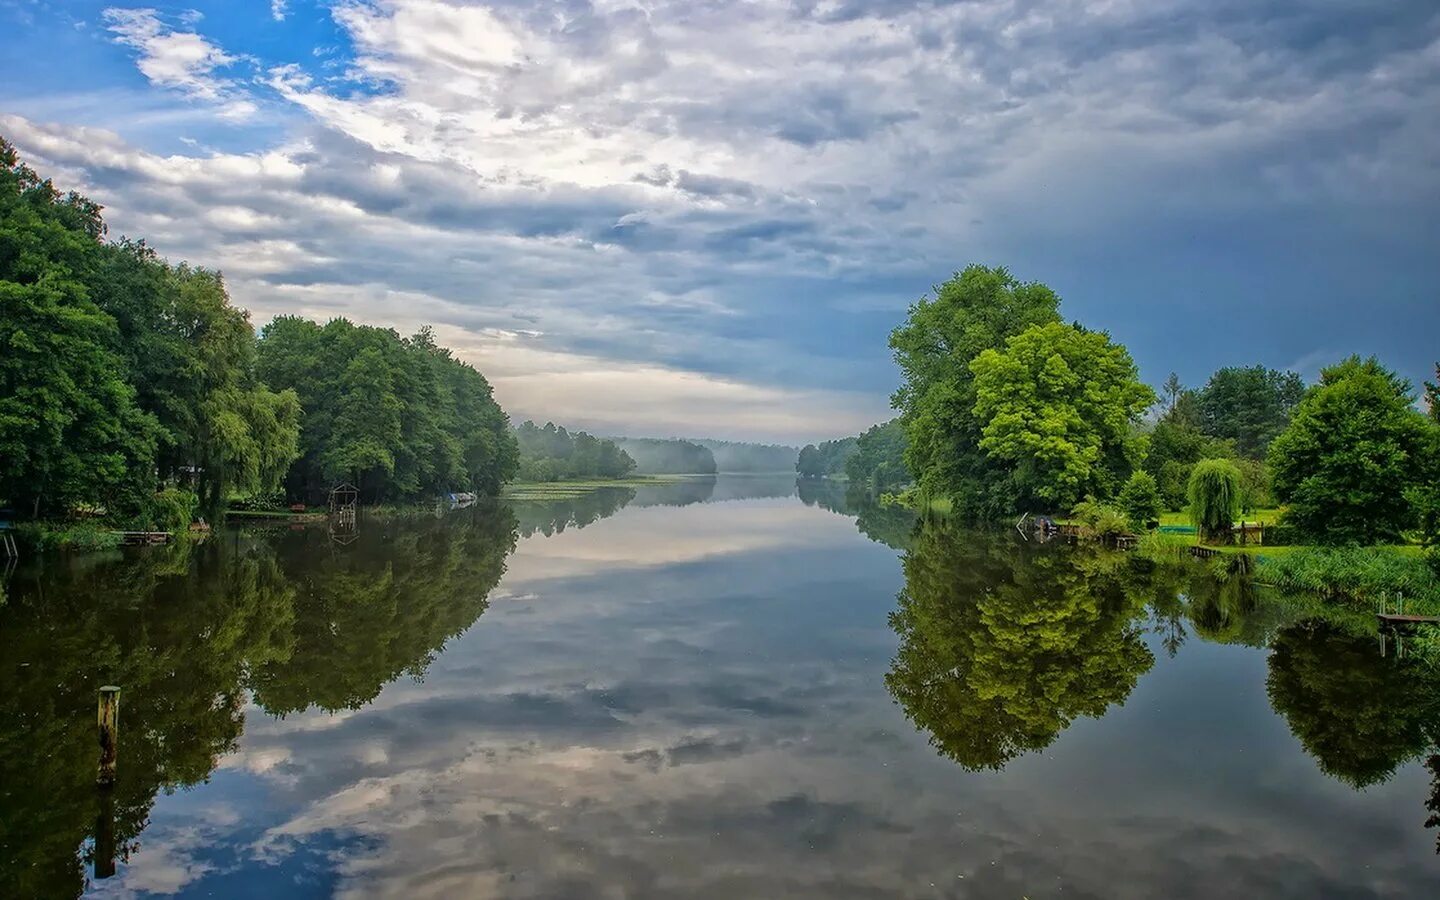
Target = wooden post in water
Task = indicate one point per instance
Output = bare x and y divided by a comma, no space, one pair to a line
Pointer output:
105,834
107,717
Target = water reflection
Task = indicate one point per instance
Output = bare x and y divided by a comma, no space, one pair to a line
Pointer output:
189,632
1004,644
701,701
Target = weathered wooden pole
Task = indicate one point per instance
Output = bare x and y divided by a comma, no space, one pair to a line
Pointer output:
107,717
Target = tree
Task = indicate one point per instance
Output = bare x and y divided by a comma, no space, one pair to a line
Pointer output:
878,463
1353,450
1057,407
827,459
1214,497
1249,406
1140,499
71,431
976,310
1171,391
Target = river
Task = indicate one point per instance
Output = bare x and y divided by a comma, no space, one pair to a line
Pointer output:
718,689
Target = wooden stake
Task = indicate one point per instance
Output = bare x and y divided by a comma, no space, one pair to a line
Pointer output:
107,717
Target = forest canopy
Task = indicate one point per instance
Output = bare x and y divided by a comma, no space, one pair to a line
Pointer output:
668,456
133,389
552,454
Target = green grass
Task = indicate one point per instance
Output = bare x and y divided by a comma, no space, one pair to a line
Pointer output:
1262,516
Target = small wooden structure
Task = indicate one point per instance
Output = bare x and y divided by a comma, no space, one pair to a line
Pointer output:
1247,533
344,506
135,538
1204,552
7,541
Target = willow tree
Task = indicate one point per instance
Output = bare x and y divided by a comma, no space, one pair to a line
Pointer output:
1214,496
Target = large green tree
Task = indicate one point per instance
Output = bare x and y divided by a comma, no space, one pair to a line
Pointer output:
976,310
71,431
1248,405
1354,449
1058,408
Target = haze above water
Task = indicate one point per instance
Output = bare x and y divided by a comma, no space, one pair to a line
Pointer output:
716,689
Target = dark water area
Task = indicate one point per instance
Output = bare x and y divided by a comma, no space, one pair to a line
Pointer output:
723,688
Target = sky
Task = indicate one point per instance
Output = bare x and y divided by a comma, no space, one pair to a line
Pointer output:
703,218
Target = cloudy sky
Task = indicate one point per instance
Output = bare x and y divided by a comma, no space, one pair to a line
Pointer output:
703,218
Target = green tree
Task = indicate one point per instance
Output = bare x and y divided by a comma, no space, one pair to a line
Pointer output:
1214,497
70,429
1353,451
1058,405
976,310
1140,499
1249,406
878,463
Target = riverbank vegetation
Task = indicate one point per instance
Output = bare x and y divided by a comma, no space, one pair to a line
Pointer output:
668,456
553,454
134,395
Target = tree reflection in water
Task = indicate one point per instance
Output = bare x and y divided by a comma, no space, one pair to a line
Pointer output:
190,632
1004,644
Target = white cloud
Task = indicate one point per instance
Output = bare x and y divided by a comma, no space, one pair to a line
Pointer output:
682,198
278,9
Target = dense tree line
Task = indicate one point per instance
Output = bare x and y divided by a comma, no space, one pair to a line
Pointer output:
740,456
400,418
121,374
552,454
669,456
132,388
826,459
1005,408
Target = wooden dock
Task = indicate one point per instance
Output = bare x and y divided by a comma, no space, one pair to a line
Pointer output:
1204,552
1406,619
144,537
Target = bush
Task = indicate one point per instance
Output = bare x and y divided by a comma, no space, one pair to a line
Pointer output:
1214,497
1102,519
1282,536
172,509
1140,500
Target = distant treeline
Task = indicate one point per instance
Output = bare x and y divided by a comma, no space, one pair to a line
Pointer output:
668,456
739,456
130,388
553,454
873,461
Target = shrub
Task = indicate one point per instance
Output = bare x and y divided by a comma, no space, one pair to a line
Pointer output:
172,509
1214,497
1100,518
1140,499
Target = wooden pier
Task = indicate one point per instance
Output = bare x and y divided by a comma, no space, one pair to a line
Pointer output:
144,537
1406,619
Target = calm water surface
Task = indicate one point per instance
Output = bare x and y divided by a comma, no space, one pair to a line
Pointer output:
716,689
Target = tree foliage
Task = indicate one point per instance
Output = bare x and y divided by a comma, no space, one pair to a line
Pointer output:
826,459
399,417
976,310
878,463
551,454
1140,499
1058,406
1353,451
1214,497
669,456
1249,406
120,372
